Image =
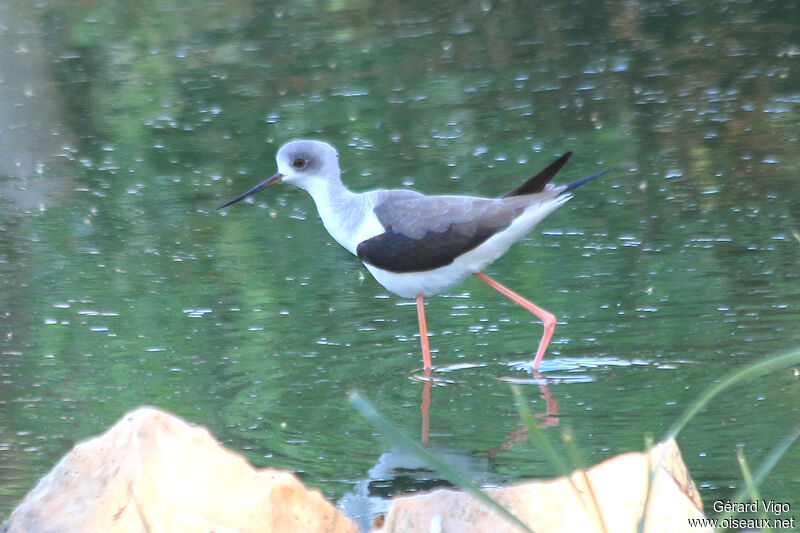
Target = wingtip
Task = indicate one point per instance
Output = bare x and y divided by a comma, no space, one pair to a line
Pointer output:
540,180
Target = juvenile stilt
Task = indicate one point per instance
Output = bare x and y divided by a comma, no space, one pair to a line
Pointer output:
547,318
423,333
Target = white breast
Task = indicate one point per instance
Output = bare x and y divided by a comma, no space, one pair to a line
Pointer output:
350,219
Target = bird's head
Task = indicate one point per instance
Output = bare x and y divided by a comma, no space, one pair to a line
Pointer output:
304,163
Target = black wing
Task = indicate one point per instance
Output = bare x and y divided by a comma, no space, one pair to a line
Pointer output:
428,232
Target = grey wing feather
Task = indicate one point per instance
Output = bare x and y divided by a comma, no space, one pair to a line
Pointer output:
427,232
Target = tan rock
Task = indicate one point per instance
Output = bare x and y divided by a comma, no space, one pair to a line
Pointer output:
152,472
608,497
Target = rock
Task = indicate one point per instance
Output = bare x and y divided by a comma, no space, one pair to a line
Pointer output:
153,472
618,486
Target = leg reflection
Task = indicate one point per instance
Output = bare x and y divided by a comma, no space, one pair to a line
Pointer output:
426,403
547,419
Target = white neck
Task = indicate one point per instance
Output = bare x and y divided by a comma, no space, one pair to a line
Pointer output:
343,212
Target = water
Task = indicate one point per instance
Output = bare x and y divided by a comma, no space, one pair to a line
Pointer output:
120,132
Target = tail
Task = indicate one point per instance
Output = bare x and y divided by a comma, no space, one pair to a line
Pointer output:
577,183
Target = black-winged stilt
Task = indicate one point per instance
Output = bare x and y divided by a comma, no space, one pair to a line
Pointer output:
417,245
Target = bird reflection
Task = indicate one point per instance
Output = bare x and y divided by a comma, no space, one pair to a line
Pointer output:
549,418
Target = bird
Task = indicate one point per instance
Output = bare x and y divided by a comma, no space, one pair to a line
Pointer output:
418,245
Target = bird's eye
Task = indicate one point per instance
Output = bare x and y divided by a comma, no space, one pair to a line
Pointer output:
299,163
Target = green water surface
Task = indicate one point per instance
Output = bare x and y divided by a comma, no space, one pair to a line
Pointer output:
123,126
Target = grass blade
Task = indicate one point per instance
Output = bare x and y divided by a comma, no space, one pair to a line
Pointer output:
750,485
763,470
536,434
752,488
568,438
369,412
750,372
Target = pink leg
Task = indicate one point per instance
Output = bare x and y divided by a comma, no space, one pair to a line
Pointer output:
423,333
546,317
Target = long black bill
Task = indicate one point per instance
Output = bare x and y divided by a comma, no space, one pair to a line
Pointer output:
261,186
